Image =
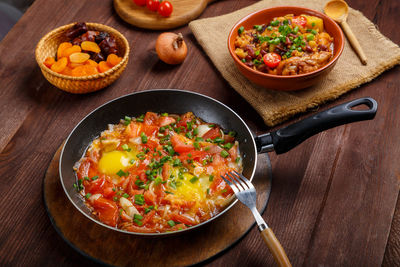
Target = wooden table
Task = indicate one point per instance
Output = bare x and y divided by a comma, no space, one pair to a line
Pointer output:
334,199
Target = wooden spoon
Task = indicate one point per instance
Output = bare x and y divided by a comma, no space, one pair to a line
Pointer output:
183,12
338,11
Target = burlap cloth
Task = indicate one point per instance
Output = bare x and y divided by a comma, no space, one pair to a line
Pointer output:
276,107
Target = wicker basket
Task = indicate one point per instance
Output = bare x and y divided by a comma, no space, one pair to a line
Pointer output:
47,47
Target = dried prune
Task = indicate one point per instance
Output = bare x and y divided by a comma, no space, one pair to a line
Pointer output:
101,36
97,57
89,36
77,41
108,46
76,30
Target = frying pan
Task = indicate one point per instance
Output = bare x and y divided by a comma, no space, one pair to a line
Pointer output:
209,110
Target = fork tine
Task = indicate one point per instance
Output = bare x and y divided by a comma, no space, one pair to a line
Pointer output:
230,184
236,181
248,183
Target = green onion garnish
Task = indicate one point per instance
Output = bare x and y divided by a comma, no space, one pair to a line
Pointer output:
139,199
241,30
194,179
88,195
144,138
171,223
224,153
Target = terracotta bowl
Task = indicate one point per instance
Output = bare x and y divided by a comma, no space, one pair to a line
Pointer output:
279,82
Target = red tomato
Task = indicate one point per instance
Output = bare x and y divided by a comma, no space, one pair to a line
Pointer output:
95,186
299,20
133,129
149,197
165,9
108,192
140,2
152,4
150,118
212,133
184,119
272,60
195,154
107,209
163,121
179,144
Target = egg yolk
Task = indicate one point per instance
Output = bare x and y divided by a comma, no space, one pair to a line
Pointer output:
111,162
193,190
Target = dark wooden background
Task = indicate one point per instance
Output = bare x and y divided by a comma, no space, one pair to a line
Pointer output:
333,200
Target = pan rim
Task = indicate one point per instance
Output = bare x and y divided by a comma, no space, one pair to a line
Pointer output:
163,234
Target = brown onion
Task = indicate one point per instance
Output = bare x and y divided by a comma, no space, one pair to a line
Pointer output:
171,48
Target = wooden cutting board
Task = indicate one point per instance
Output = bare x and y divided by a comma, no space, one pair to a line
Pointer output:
183,12
109,247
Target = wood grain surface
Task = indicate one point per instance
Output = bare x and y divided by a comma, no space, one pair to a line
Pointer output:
333,199
183,12
194,246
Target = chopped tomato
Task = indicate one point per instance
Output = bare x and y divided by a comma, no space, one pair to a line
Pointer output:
95,186
86,169
228,138
177,227
185,119
179,144
150,118
195,154
212,133
148,217
107,211
164,121
166,171
149,130
272,60
183,219
133,129
299,20
108,192
233,152
134,228
149,197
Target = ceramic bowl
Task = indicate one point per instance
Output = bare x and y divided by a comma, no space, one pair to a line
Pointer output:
292,82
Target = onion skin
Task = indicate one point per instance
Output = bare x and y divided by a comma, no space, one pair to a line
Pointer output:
171,48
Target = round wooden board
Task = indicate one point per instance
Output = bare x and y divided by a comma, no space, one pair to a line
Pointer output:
183,12
110,247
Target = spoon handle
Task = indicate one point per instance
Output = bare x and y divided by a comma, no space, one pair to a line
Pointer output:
354,42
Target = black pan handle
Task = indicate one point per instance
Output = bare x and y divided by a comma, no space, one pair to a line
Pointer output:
289,137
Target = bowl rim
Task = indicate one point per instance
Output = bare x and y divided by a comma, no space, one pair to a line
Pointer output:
93,25
273,76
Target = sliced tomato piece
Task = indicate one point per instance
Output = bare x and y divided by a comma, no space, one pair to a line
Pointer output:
299,20
151,144
186,219
212,133
139,229
107,210
108,192
180,145
150,118
195,155
149,130
233,151
96,186
149,197
272,60
228,138
87,168
133,129
164,121
148,217
185,118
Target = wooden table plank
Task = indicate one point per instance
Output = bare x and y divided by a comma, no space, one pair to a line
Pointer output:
315,185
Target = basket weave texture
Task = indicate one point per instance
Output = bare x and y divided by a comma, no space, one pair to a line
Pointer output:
47,47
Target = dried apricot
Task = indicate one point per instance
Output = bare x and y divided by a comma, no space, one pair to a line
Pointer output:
69,51
113,59
74,65
103,66
90,46
79,57
91,62
84,70
67,71
49,61
61,48
59,65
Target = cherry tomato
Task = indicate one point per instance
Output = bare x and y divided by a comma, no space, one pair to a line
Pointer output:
152,4
165,9
140,2
299,20
272,60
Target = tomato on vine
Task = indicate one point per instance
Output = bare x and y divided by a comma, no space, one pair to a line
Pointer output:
152,5
165,9
140,2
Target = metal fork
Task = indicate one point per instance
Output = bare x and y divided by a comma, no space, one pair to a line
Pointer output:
246,193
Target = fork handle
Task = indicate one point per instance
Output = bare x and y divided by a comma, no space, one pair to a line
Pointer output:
275,247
